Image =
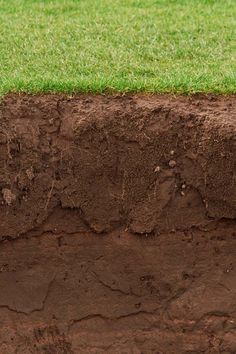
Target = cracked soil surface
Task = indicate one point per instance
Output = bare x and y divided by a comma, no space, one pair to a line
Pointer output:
117,224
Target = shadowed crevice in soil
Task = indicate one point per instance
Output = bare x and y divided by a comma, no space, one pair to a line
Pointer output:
149,163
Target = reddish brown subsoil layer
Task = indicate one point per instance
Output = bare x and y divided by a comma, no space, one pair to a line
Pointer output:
118,230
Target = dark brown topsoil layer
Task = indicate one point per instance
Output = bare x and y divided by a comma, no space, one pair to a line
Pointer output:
117,224
148,163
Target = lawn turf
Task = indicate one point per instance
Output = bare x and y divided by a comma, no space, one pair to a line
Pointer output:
180,46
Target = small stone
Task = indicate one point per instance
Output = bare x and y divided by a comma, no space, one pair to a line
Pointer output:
172,163
183,186
157,169
182,193
172,152
30,173
8,196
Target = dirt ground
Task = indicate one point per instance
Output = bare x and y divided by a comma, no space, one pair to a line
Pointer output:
117,224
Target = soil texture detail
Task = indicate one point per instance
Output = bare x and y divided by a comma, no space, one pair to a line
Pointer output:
117,224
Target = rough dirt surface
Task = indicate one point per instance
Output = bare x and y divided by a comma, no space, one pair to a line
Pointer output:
118,231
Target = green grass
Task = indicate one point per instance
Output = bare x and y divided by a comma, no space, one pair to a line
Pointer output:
175,46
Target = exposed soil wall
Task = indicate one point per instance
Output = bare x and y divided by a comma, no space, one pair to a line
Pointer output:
118,230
